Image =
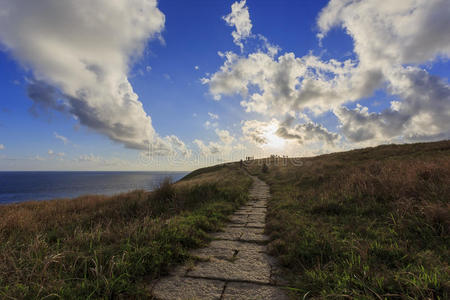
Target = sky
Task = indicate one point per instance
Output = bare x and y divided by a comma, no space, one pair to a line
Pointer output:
178,85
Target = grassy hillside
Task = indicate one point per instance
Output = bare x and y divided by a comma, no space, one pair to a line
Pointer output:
365,224
369,223
107,247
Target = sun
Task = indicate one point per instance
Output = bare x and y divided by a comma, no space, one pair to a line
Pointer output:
273,141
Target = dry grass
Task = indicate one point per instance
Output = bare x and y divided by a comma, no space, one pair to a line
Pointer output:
369,223
363,224
104,247
215,174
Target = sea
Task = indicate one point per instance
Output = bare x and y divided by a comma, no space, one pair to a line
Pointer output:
24,186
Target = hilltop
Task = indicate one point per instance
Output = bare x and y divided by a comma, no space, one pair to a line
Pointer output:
367,223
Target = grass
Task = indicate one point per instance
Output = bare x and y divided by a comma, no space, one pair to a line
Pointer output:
372,223
365,224
96,247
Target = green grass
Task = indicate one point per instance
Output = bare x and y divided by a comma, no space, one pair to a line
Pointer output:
365,224
111,247
372,223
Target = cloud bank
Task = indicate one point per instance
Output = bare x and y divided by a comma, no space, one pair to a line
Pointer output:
391,42
80,53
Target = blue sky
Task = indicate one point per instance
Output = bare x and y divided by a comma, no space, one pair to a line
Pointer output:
218,80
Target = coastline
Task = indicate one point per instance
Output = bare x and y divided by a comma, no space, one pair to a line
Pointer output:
20,186
364,218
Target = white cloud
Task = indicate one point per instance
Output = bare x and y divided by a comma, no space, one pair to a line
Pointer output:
287,138
80,54
50,152
178,146
224,146
289,83
2,146
168,146
240,19
275,133
423,113
205,150
60,137
208,124
306,132
403,32
148,68
389,41
256,131
387,38
213,116
196,67
225,136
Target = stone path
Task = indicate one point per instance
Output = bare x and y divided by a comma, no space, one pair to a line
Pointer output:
235,265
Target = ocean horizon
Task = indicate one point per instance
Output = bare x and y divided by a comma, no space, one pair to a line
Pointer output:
21,186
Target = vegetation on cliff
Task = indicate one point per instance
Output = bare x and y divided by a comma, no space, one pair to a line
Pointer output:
105,247
363,224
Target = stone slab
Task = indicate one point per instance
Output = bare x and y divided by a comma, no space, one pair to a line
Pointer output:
242,234
246,207
256,224
240,213
236,245
256,214
260,204
240,269
184,288
256,218
238,225
241,290
240,219
252,210
258,257
217,253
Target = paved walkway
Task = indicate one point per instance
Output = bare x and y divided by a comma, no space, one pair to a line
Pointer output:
235,264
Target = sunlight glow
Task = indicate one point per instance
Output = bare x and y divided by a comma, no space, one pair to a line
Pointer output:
273,140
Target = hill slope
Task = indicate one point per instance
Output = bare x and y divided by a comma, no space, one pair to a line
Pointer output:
111,246
368,223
